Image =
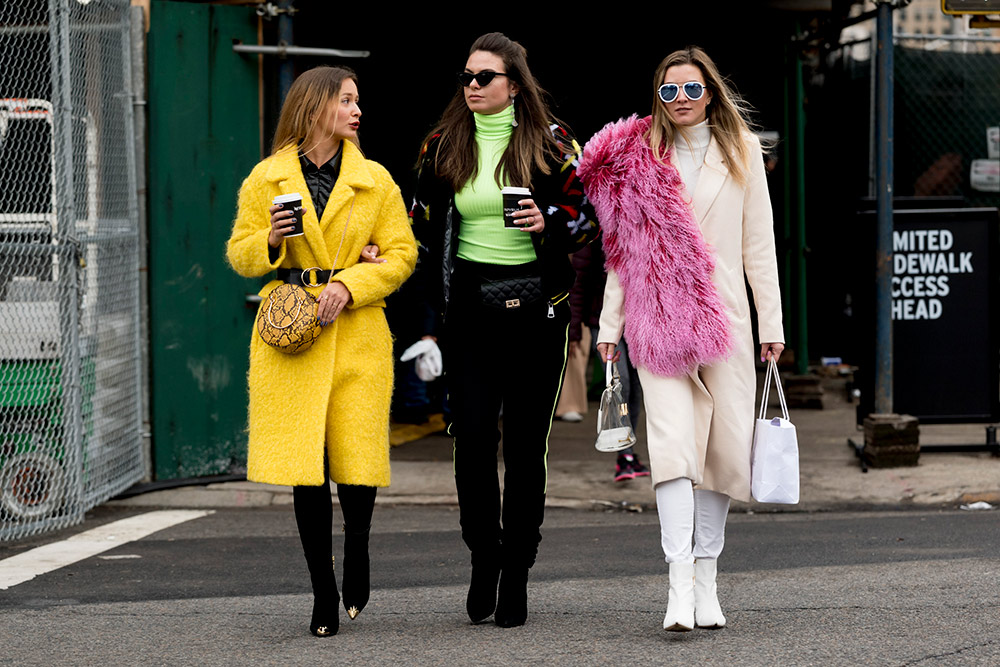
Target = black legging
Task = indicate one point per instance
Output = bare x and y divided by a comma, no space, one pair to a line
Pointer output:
513,359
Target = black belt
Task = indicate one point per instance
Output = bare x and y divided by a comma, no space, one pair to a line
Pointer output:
311,277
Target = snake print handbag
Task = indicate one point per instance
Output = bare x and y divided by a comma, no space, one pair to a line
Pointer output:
288,322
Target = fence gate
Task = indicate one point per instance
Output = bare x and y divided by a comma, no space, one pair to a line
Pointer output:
70,382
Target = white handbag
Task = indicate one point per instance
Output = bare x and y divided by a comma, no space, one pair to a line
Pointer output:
774,462
614,429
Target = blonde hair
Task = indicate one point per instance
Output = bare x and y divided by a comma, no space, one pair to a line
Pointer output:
307,99
728,117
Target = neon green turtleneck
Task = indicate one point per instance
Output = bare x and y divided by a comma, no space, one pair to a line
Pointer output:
482,237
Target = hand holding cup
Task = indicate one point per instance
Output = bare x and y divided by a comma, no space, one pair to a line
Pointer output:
520,211
286,218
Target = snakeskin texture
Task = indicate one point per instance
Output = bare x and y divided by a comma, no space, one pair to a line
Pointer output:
287,320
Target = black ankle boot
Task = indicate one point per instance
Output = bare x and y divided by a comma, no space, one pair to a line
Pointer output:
512,598
482,599
314,517
357,504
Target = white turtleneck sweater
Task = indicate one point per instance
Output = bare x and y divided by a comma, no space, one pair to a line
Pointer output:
691,152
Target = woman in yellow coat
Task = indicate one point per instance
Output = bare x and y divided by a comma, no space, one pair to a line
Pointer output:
324,412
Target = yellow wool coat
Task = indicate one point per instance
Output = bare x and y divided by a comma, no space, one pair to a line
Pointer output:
338,391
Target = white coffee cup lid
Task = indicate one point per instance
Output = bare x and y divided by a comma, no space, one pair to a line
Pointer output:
291,196
514,190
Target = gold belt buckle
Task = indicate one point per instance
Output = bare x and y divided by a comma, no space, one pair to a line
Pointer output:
308,282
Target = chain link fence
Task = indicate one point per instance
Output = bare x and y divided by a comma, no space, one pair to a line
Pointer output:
70,378
948,117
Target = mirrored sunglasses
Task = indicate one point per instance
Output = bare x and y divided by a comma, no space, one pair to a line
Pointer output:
483,78
693,90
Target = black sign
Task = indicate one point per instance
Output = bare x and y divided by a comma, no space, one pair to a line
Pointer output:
945,309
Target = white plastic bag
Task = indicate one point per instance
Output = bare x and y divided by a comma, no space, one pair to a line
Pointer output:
774,463
614,429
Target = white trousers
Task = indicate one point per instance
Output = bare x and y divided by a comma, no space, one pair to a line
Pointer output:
692,521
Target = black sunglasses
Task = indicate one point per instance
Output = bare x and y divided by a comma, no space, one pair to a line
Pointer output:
482,78
693,90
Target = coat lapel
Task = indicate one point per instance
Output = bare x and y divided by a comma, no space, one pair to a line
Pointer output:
710,180
286,172
354,175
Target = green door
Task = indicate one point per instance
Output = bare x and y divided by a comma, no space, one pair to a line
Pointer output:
203,140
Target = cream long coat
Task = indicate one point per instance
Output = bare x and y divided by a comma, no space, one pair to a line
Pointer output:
700,426
337,392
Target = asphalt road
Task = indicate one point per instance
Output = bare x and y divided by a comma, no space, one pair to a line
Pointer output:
904,588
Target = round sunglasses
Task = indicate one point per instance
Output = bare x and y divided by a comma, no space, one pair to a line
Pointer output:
482,78
693,90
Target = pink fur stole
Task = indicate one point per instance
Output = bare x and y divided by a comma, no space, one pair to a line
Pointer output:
674,318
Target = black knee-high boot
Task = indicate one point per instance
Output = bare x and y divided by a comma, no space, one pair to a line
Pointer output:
314,516
357,504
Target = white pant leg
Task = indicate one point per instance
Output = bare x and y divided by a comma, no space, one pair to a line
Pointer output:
675,505
710,511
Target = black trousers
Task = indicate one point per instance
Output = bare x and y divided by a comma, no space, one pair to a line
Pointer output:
515,359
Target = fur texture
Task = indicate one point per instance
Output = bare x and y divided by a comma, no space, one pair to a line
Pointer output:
674,318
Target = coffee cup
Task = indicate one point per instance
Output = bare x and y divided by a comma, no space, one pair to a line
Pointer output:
292,202
512,195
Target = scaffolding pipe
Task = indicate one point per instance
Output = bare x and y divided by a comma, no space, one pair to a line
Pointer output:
282,51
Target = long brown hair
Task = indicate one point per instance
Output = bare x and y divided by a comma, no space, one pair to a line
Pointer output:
457,157
728,115
305,103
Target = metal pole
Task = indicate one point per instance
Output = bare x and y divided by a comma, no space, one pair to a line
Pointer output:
786,148
883,193
138,76
65,243
283,51
799,165
286,67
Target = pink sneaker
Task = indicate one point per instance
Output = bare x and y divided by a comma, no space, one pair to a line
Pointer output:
623,468
638,470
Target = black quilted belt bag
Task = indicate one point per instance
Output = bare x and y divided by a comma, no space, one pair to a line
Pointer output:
512,293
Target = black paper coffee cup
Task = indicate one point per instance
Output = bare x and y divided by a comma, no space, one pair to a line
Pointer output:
292,202
512,195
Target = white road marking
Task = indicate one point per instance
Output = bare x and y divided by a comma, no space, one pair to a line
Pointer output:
30,564
121,557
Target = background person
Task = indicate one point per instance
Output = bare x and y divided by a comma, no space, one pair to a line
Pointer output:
683,199
323,413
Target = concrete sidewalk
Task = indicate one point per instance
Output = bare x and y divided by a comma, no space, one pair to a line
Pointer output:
581,477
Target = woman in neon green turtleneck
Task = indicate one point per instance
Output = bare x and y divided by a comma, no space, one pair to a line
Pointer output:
494,292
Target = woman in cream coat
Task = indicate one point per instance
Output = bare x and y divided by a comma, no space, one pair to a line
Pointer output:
324,412
682,227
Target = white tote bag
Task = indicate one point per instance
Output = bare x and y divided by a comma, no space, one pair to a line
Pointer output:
774,463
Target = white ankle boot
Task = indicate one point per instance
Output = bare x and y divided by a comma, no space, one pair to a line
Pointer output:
707,612
680,599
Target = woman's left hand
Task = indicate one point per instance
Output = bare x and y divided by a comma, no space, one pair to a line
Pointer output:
529,216
767,350
334,298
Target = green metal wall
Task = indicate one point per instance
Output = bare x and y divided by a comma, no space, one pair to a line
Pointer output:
203,140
